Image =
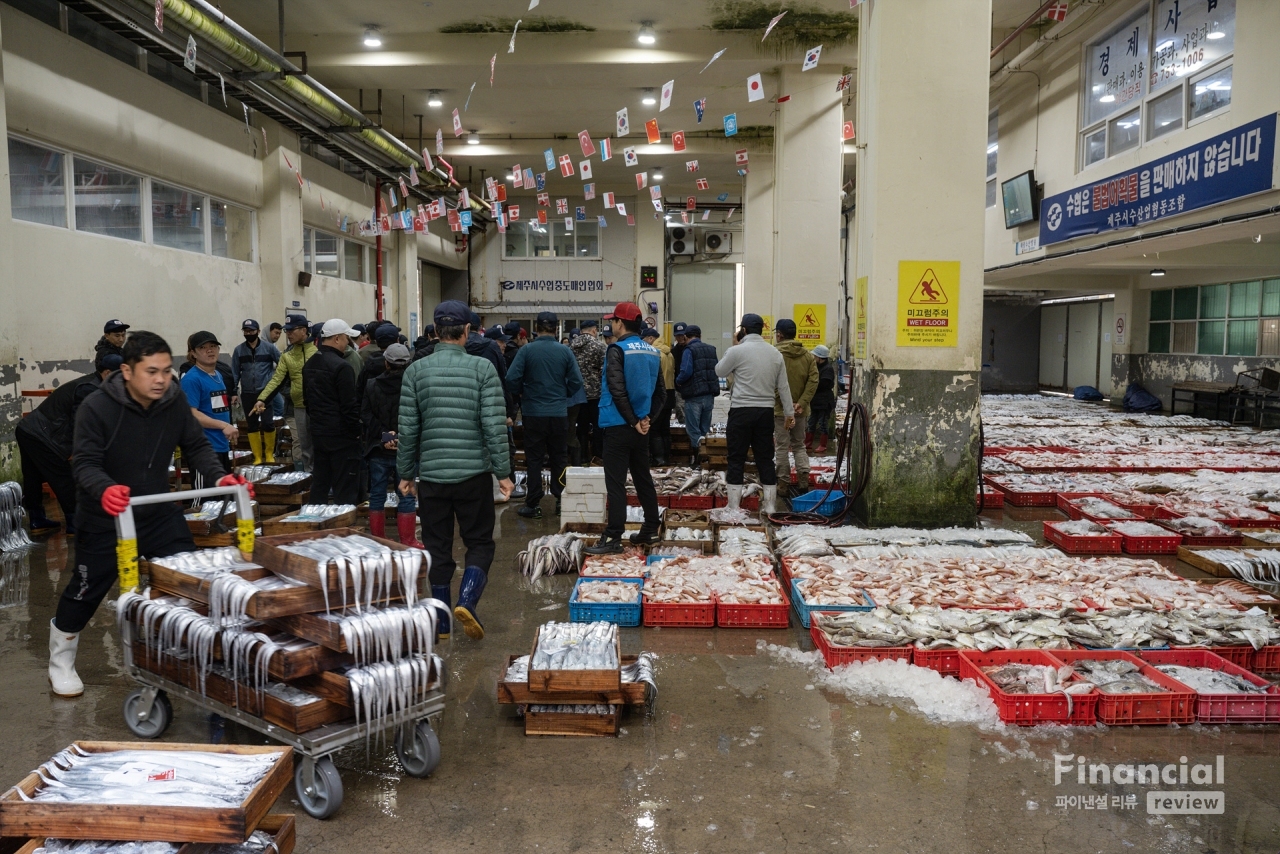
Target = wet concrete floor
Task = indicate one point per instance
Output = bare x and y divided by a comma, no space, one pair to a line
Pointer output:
741,755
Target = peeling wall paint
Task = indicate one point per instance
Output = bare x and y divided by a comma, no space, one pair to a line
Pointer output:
1159,372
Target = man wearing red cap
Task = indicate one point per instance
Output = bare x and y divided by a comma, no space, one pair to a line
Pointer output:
632,390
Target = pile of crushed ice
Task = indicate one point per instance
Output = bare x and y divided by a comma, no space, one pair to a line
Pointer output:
938,698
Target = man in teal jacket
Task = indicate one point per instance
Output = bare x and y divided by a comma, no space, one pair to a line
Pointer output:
453,438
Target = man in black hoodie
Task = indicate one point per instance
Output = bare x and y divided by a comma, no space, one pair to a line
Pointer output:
329,385
112,340
125,436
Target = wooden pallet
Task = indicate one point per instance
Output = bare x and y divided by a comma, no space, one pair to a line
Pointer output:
571,724
159,823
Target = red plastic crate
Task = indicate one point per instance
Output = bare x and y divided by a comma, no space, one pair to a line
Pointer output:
1142,511
699,615
837,656
1269,522
992,499
1211,542
1163,512
1150,545
1028,499
731,615
1266,660
691,502
751,502
945,661
634,501
1176,706
1064,499
1241,656
1109,545
1028,709
1223,708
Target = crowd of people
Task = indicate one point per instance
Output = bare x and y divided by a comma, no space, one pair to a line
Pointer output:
428,423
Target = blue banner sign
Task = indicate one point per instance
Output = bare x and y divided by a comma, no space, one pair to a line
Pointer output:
1229,166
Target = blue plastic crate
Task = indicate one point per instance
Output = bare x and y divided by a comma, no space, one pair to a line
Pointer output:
622,614
803,609
811,502
652,559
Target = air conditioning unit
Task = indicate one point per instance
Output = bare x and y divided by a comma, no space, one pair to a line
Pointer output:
681,241
717,242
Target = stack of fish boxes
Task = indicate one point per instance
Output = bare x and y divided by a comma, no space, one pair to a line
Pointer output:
584,495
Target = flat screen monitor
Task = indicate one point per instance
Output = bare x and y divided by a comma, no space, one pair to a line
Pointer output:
1019,196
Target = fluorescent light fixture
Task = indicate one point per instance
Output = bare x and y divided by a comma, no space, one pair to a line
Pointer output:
1158,271
648,98
1093,298
434,99
372,37
511,177
473,138
647,35
1107,99
993,148
657,175
1217,34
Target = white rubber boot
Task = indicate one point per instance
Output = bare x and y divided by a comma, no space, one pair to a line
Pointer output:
735,496
769,504
62,663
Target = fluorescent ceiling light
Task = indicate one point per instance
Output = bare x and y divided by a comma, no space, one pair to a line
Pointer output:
1217,34
647,35
372,37
434,99
657,175
1157,272
1093,298
1107,99
473,138
648,99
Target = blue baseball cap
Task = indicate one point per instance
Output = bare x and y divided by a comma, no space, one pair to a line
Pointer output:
295,321
547,317
751,321
388,332
452,312
607,331
648,332
496,333
679,329
476,323
693,330
589,324
786,326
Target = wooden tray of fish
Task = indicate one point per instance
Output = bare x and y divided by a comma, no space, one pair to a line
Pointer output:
519,693
335,687
267,552
278,525
585,681
1250,541
265,604
324,710
279,827
1245,594
572,723
152,822
204,525
1192,556
266,490
320,628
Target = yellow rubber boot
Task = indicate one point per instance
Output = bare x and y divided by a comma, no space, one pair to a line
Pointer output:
269,446
255,445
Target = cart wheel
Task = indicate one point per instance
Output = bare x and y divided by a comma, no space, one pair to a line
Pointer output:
421,756
158,720
322,797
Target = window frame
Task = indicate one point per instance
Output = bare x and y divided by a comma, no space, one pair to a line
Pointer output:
551,242
1258,315
368,253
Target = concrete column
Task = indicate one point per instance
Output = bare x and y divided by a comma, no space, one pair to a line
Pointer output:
405,297
922,111
280,224
757,231
1122,370
650,251
10,375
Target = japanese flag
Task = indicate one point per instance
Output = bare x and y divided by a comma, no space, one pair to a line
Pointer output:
457,123
624,125
703,184
544,199
517,176
691,203
542,217
566,166
691,166
568,223
622,209
755,88
608,200
642,180
513,213
629,157
606,148
562,206
811,58
667,89
740,156
677,141
584,168
588,147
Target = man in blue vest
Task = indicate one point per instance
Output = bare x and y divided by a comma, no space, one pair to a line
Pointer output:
631,391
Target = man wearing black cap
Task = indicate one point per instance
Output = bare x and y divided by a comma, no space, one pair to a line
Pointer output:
660,435
608,334
209,397
589,350
44,443
758,374
373,348
680,341
519,337
698,384
253,363
112,340
452,442
289,370
385,335
545,377
487,348
633,392
329,383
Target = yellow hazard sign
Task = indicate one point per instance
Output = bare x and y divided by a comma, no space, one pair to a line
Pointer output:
928,303
811,323
860,319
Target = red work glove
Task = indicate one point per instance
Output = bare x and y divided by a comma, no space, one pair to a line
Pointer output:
236,480
115,500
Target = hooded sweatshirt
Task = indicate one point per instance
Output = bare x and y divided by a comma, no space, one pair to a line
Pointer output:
117,441
802,376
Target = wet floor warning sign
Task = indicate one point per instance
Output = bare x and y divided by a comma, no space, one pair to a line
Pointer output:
928,303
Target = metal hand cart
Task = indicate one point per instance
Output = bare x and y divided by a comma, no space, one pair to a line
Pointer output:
148,710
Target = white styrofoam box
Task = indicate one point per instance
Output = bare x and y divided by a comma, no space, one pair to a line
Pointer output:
583,507
580,480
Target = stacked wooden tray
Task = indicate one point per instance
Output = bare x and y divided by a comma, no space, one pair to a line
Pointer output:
38,820
281,524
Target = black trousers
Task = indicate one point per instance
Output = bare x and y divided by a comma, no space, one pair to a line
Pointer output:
337,469
41,464
575,454
471,503
546,440
660,429
751,427
590,436
625,450
162,532
264,420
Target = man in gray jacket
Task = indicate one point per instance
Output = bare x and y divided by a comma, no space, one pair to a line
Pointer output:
758,373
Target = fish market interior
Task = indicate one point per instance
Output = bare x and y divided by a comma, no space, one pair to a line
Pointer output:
656,427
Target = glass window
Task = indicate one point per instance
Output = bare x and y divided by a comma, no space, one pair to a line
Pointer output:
94,34
1269,337
231,231
1184,338
1114,78
540,241
353,261
1095,147
1184,303
991,193
993,148
1165,114
177,218
1244,299
1158,338
1209,342
562,240
1242,337
1271,298
175,75
308,263
1125,131
1210,94
326,254
108,201
1161,304
37,185
588,239
1190,35
1213,301
516,241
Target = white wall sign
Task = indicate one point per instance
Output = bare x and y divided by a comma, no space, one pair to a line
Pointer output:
1122,326
1022,247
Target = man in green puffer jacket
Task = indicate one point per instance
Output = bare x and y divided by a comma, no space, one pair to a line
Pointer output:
452,440
802,379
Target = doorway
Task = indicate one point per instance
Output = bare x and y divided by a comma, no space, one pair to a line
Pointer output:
704,294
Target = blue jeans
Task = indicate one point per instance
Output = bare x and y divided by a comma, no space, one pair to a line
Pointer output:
383,478
697,417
